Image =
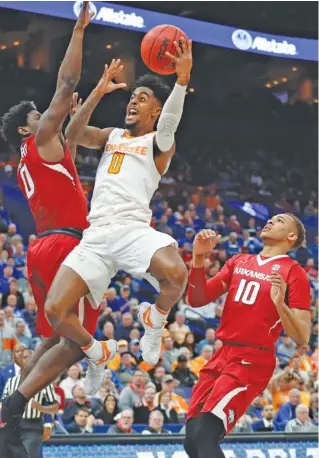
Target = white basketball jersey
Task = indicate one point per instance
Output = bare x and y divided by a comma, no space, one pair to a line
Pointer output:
126,180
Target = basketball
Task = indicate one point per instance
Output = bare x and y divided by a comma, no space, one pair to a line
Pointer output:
156,43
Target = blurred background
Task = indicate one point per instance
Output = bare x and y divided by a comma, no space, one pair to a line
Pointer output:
246,149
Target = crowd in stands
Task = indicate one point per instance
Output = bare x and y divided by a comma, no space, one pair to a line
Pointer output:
135,397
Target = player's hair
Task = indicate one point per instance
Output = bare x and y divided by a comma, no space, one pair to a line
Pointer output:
301,231
14,118
160,89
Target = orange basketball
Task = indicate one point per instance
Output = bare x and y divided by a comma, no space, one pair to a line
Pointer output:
156,43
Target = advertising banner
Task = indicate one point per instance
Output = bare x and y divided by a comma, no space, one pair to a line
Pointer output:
125,17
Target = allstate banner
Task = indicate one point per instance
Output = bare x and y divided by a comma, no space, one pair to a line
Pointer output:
253,209
130,18
276,449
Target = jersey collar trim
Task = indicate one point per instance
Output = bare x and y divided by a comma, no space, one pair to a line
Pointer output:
261,262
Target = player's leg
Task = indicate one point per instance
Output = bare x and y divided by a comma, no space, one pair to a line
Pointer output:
143,251
168,268
192,430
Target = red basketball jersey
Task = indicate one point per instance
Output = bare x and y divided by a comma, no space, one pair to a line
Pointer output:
250,316
53,189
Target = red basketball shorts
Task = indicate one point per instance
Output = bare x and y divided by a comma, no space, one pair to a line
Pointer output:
230,381
45,256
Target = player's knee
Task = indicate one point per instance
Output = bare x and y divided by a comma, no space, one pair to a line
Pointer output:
54,311
177,275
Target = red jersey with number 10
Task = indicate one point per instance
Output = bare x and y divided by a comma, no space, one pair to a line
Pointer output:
250,316
53,189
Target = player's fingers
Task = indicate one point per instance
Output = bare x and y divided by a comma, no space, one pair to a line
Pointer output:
80,102
170,56
190,46
183,45
178,49
120,85
85,6
118,70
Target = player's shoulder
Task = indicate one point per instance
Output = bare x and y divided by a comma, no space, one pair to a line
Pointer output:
242,258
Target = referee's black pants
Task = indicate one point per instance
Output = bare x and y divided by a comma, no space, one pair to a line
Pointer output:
31,435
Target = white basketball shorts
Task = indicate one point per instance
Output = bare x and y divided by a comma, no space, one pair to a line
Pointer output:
106,249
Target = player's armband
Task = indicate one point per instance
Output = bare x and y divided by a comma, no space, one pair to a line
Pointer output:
170,118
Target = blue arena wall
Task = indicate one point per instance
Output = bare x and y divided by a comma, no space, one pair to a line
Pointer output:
253,446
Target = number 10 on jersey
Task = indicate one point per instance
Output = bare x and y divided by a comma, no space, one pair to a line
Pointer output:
247,292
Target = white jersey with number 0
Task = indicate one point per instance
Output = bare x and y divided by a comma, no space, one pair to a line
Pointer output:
126,180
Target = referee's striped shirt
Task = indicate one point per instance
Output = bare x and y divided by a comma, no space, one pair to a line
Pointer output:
46,396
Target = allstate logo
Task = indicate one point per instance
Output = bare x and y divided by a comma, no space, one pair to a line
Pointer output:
78,6
242,39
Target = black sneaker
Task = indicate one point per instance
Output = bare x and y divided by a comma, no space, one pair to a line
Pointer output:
10,433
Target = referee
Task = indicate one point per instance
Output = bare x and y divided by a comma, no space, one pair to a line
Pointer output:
32,429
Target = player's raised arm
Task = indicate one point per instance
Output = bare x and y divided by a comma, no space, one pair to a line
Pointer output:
292,301
173,108
200,290
78,131
47,137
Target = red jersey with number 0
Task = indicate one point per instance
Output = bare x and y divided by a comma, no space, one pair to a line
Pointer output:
53,189
250,316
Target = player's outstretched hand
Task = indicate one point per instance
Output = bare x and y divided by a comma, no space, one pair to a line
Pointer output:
75,104
183,59
205,241
106,85
278,289
85,16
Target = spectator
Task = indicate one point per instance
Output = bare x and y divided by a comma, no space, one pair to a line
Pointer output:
29,316
124,299
189,342
197,364
79,400
12,369
158,374
108,331
13,290
109,410
288,410
155,425
255,409
143,408
4,281
209,340
106,316
127,368
169,353
267,423
178,402
242,426
313,343
305,360
217,345
21,335
163,226
132,393
112,383
249,244
83,422
123,330
165,405
135,349
72,379
302,423
286,349
7,341
124,422
295,364
313,411
113,300
232,245
183,374
311,270
179,329
122,347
